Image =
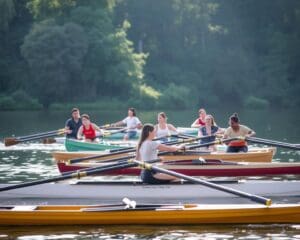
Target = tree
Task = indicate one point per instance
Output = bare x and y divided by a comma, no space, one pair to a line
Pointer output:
55,55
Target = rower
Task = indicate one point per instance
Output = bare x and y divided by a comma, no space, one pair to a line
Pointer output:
237,130
132,123
147,150
73,124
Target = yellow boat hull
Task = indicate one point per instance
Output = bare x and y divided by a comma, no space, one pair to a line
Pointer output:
186,214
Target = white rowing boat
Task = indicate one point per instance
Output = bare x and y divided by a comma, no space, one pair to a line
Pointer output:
113,191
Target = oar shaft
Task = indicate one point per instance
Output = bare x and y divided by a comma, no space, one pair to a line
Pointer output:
39,137
252,197
276,144
78,174
39,134
118,151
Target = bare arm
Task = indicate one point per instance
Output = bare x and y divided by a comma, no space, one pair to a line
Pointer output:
163,147
251,133
116,124
172,128
96,127
195,124
79,133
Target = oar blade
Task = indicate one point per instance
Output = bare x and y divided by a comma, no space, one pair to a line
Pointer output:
10,141
49,140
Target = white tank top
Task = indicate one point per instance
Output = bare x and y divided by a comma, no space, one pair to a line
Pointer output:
162,132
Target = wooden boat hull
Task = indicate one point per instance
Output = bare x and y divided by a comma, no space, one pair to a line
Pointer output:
73,145
182,214
114,191
213,168
256,155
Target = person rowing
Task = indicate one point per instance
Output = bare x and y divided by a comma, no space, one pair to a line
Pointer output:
132,123
162,128
209,131
73,124
147,151
237,130
88,131
200,121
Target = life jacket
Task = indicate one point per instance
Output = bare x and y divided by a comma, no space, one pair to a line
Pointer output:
237,143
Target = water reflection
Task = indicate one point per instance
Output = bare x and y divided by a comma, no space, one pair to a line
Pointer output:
155,232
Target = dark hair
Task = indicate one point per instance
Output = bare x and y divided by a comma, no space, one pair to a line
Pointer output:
163,115
147,128
75,110
234,117
85,116
132,110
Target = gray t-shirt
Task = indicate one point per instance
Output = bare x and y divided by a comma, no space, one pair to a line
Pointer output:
148,151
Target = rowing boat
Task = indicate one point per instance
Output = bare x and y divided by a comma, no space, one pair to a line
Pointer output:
149,214
120,135
114,190
73,145
254,155
199,167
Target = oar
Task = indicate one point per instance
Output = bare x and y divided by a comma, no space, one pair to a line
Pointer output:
108,133
77,160
77,174
130,150
252,197
272,143
15,140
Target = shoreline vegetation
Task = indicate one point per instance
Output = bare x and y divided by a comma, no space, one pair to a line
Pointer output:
20,100
103,54
11,103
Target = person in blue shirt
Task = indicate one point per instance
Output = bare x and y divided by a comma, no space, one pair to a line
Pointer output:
73,124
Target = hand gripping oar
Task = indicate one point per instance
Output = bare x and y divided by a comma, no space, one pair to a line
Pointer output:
15,140
252,197
77,174
130,150
272,143
108,133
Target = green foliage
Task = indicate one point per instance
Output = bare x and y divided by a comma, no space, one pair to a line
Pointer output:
7,13
104,104
7,103
175,97
175,54
256,103
55,55
19,100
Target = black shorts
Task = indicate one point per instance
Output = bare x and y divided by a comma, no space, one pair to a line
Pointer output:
147,177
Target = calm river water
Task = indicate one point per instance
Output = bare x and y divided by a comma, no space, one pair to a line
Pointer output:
31,161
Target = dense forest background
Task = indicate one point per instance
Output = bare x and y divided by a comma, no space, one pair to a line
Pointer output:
173,54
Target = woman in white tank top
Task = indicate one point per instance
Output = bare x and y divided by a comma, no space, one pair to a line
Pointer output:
162,128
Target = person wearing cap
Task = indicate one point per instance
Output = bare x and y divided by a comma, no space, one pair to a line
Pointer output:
73,124
237,130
